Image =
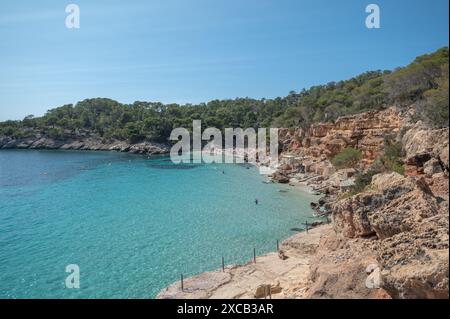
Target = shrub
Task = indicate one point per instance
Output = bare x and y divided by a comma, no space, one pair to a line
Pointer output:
363,180
391,159
56,133
349,157
8,131
434,109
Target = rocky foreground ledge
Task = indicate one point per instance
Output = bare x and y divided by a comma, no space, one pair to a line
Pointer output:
85,143
287,276
402,224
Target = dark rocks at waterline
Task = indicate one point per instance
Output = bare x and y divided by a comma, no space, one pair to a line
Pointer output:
280,178
317,224
172,166
309,226
83,144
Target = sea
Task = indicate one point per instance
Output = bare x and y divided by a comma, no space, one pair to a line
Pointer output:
81,224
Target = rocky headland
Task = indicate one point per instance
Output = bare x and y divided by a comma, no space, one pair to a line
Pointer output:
85,141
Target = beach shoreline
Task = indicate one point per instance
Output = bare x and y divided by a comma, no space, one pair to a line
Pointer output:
286,272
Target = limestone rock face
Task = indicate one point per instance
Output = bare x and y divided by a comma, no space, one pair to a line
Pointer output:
356,216
422,144
339,269
410,227
350,216
365,131
415,263
400,225
382,181
433,166
403,213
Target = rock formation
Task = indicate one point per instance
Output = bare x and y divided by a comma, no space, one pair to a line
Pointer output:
399,225
82,142
320,142
409,229
423,145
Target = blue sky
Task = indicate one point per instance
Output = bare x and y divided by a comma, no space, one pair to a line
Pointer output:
197,50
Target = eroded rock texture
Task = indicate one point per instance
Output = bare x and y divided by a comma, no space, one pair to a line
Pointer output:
365,131
410,227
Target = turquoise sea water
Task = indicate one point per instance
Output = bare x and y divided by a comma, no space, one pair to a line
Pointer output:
131,224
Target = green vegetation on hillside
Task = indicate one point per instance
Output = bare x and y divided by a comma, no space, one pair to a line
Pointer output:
389,161
347,158
423,83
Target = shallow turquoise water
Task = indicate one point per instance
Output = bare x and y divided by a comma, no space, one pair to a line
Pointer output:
132,224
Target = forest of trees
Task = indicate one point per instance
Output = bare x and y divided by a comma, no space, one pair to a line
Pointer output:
423,83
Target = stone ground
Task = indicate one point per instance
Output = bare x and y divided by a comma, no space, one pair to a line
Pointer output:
287,278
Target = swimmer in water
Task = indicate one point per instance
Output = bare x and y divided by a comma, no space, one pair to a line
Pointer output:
256,201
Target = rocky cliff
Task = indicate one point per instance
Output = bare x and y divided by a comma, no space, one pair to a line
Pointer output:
426,149
398,227
310,150
366,131
404,227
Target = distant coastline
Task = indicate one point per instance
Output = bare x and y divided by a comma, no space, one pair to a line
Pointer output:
83,143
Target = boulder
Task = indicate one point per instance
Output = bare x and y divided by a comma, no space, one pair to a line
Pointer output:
415,263
280,178
433,166
383,181
286,167
265,290
282,255
421,144
350,215
358,215
339,269
403,212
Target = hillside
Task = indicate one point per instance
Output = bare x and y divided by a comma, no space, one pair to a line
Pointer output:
423,83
